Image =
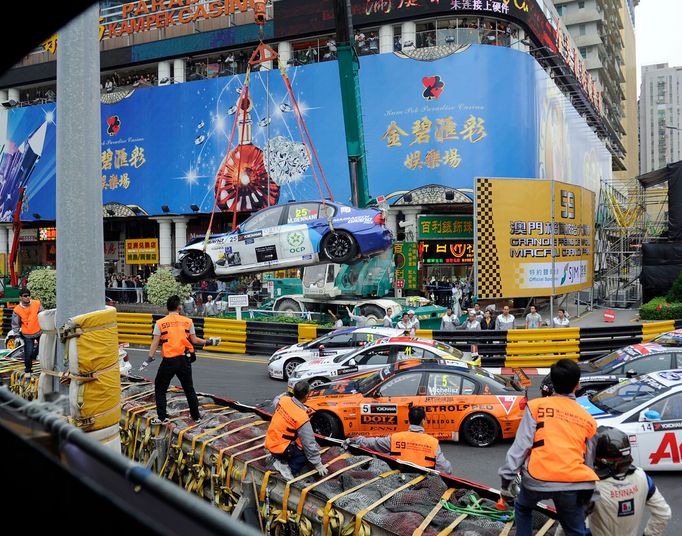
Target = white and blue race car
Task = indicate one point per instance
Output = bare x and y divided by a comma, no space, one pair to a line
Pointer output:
290,235
649,409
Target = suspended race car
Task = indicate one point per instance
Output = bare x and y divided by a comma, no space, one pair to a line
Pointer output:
292,235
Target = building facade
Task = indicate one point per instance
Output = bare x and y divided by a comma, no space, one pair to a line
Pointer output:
660,116
603,30
450,91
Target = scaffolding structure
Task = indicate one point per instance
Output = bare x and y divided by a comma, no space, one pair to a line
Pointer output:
621,227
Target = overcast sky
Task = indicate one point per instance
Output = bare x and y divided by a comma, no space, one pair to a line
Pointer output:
658,33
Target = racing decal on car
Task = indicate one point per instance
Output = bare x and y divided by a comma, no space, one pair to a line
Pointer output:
507,402
343,370
251,235
379,419
672,375
296,242
266,253
661,426
228,249
457,407
668,449
379,408
633,439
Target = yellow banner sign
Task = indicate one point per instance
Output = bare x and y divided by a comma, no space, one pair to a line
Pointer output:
142,251
526,247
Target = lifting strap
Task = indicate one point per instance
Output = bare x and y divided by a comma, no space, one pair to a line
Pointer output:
427,520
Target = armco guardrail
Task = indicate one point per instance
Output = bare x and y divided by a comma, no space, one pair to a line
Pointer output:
514,348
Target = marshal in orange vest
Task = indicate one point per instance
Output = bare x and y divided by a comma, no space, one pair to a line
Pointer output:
286,422
415,447
175,331
559,444
29,317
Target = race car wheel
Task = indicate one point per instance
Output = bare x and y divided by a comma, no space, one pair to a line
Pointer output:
316,382
339,247
290,366
480,430
10,344
196,265
327,424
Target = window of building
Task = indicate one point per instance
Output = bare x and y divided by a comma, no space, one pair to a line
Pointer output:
583,51
560,10
581,29
581,5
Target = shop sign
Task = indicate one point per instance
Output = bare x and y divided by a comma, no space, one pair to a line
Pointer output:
142,251
28,235
111,250
47,233
406,261
446,251
440,227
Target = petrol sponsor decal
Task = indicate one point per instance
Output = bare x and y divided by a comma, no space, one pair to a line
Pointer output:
383,409
668,449
456,407
507,402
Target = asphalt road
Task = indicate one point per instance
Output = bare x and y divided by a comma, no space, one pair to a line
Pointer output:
245,378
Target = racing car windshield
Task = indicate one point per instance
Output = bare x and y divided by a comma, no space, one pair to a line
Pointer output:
628,395
669,339
609,359
371,381
447,349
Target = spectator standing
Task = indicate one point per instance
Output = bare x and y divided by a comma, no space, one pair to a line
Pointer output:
338,322
561,320
360,320
478,311
388,320
414,322
472,323
210,307
505,321
488,322
404,324
449,322
25,322
139,290
533,319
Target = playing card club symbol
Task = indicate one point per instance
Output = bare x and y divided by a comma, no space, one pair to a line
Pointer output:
433,87
113,125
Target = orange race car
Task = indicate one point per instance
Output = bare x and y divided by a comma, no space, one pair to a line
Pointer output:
460,400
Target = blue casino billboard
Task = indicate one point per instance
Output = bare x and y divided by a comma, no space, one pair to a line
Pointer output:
484,111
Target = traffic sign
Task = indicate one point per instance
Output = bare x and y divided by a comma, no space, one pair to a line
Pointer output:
399,283
609,315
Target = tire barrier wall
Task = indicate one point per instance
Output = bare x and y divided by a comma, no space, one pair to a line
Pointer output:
513,348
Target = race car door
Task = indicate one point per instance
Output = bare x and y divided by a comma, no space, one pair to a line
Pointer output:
386,411
658,444
255,246
448,399
299,236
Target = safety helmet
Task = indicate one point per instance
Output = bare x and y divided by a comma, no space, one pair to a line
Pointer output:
546,387
613,455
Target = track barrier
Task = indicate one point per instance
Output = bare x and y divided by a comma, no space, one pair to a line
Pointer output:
513,348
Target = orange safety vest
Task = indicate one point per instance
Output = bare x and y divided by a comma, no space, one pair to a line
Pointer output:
29,317
415,447
286,422
560,441
175,335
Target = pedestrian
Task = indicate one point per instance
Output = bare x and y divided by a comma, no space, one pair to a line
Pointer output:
388,318
625,491
290,437
456,299
338,322
414,446
478,311
472,323
175,333
139,290
554,452
210,306
25,323
404,324
505,321
449,322
561,320
488,322
360,320
414,322
533,319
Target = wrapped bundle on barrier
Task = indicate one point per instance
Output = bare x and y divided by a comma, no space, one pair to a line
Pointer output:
46,352
94,374
223,459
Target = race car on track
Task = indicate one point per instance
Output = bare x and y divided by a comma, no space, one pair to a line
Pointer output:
373,357
602,372
289,235
461,401
649,409
670,338
341,341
